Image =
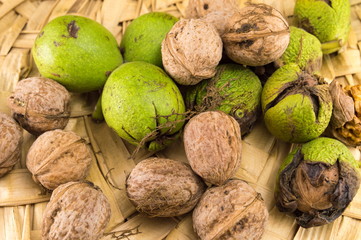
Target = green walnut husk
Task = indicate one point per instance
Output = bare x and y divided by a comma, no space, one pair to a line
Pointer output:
304,49
317,181
77,52
235,90
143,37
328,20
297,106
143,105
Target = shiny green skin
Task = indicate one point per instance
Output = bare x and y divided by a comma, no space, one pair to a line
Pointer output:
292,119
143,37
81,60
325,22
240,89
134,94
303,49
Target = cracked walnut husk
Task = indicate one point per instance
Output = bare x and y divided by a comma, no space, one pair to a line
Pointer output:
317,181
256,35
40,104
346,115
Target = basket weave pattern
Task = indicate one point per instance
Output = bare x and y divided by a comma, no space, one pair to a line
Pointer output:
22,201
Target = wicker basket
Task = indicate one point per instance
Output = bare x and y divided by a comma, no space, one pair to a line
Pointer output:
22,202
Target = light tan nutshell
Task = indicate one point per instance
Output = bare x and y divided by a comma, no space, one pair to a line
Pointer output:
191,51
40,104
11,137
76,210
213,146
256,35
163,187
57,157
231,211
216,12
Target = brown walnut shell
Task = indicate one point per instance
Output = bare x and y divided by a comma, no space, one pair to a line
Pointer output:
346,114
213,146
216,12
191,51
40,104
163,187
11,137
57,157
231,211
256,35
76,210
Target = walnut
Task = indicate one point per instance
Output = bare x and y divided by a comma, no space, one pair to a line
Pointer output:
231,211
163,187
58,157
191,51
213,146
256,35
346,114
40,104
76,210
11,137
216,12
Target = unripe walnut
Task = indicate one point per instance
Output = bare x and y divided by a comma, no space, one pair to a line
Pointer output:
231,211
256,35
57,157
163,187
76,210
40,104
11,137
191,51
213,146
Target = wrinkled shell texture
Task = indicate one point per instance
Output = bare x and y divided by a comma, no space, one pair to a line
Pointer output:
163,187
11,137
40,104
191,51
58,157
213,146
76,210
231,211
256,35
216,12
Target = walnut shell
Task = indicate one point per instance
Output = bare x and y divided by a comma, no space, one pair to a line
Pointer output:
58,157
163,187
191,51
216,12
256,35
213,146
76,210
231,211
11,137
40,104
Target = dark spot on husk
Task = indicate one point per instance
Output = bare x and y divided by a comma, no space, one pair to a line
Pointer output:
306,25
245,43
107,73
55,74
41,34
305,85
57,44
107,38
247,121
205,6
73,29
